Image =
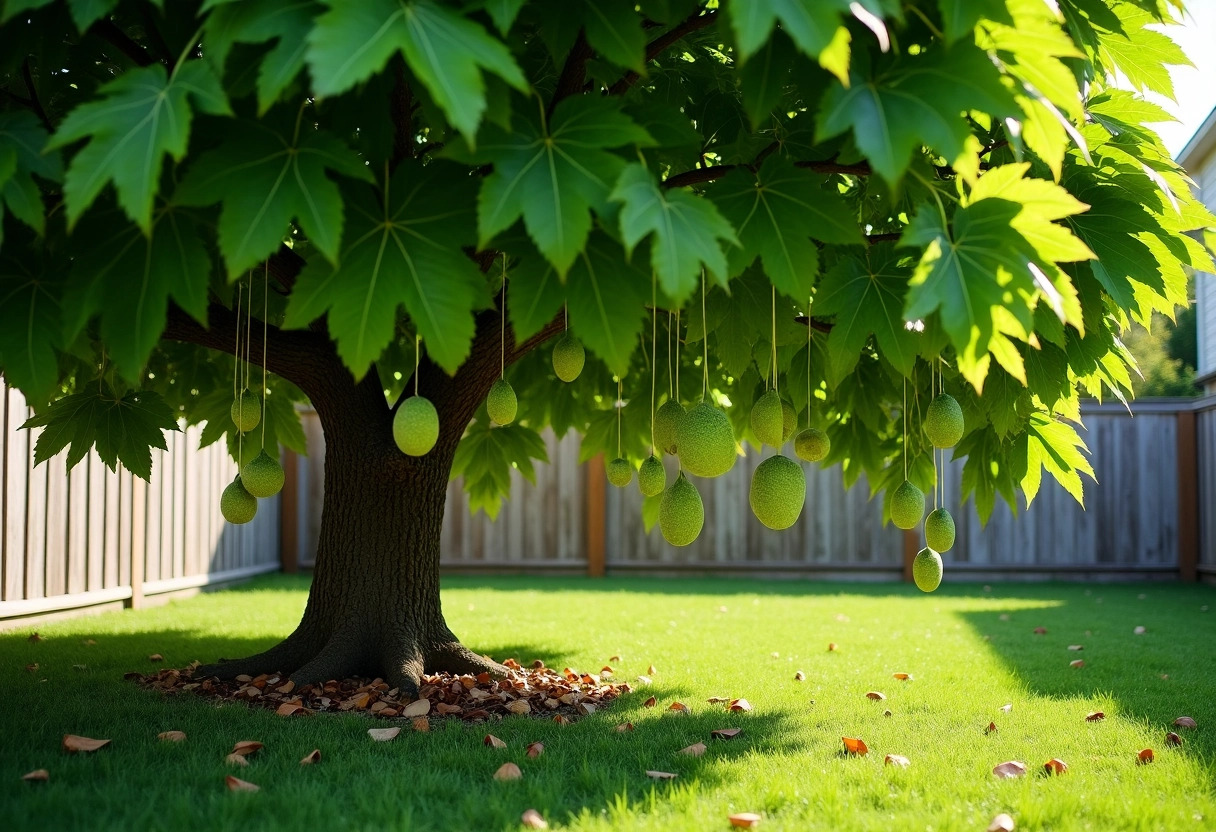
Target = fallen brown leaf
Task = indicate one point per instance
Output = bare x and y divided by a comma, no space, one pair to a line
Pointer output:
1040,631
32,668
651,670
236,760
421,724
897,760
1076,647
694,750
156,657
739,705
73,743
89,642
1007,708
1055,766
991,729
1077,663
172,736
383,734
491,741
1139,631
679,708
875,695
35,638
623,727
903,677
1185,722
799,676
1096,716
1173,739
886,713
38,775
660,775
1001,823
508,771
535,749
236,784
1009,770
511,663
853,745
519,707
247,747
1145,756
561,720
744,820
421,707
650,703
614,658
725,733
718,700
286,687
532,819
831,647
313,756
644,680
289,708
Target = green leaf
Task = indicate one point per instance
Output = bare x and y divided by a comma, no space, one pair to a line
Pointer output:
915,101
1054,445
259,21
960,16
685,228
778,213
86,12
503,13
124,430
30,328
264,179
1140,53
138,119
444,50
606,296
764,78
487,455
1042,203
404,249
553,175
614,31
866,296
811,24
22,140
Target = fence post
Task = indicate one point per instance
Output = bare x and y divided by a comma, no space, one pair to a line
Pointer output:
1188,497
911,538
596,499
289,514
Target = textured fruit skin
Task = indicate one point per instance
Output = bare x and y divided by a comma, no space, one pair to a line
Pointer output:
766,420
812,445
262,476
620,472
944,421
927,570
652,477
778,492
666,423
246,411
236,504
568,358
907,506
416,426
501,403
939,530
706,442
789,421
681,513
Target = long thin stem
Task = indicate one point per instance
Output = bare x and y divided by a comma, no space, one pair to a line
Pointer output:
704,343
502,330
265,315
654,356
236,349
905,428
417,356
678,351
774,345
808,362
618,417
670,394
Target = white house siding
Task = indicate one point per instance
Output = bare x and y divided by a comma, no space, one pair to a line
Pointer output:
1199,158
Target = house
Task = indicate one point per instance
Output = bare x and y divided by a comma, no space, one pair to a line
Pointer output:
1199,159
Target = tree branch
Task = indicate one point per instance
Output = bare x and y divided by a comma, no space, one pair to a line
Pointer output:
698,175
34,103
107,31
570,82
818,326
657,46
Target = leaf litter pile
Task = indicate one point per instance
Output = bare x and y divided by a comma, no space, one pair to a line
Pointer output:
538,690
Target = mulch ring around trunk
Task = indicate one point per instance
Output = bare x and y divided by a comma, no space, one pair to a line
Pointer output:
538,691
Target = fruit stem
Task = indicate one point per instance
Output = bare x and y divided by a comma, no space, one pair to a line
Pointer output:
265,315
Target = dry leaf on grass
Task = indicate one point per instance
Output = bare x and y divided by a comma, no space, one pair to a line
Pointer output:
991,729
1010,769
39,775
897,760
236,784
660,775
236,760
799,676
1055,766
1007,708
508,771
679,708
172,736
725,733
247,747
383,734
1145,756
614,658
694,750
1001,823
884,713
831,647
1096,716
156,657
289,708
1076,647
1185,722
739,705
32,668
73,743
718,700
1173,739
561,720
1040,631
903,677
491,741
623,727
1077,663
313,757
875,695
35,638
854,745
89,642
651,670
422,707
745,820
532,820
644,680
519,707
286,687
1139,631
650,703
535,749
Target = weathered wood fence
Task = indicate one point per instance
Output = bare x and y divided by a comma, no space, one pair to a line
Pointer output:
93,537
1151,514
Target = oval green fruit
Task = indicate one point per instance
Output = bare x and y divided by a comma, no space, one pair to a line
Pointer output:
681,513
666,424
789,421
568,358
939,530
944,421
501,403
652,477
778,492
246,411
907,506
766,420
262,476
416,426
812,445
620,472
706,442
927,570
236,504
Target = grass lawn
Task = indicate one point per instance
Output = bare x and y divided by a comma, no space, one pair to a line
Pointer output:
970,652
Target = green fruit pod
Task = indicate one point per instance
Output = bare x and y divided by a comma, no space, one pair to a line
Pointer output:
927,570
907,506
789,421
620,472
812,445
416,426
262,476
246,411
568,358
236,504
501,403
681,513
939,530
766,419
778,492
944,421
652,477
666,425
706,442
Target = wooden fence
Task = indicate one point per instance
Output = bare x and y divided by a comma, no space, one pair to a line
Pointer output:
1151,514
90,536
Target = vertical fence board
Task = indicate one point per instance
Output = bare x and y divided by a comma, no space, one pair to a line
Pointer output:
77,528
15,473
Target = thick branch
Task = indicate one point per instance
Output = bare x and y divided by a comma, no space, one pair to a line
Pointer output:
107,31
818,326
575,70
35,104
657,46
698,175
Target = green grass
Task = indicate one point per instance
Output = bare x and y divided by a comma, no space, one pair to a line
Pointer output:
970,652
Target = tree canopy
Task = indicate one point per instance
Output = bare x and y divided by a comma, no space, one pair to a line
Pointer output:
844,201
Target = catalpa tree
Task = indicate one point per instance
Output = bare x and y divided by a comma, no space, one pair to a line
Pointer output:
888,224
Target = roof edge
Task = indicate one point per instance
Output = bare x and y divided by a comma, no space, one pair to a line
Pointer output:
1200,144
